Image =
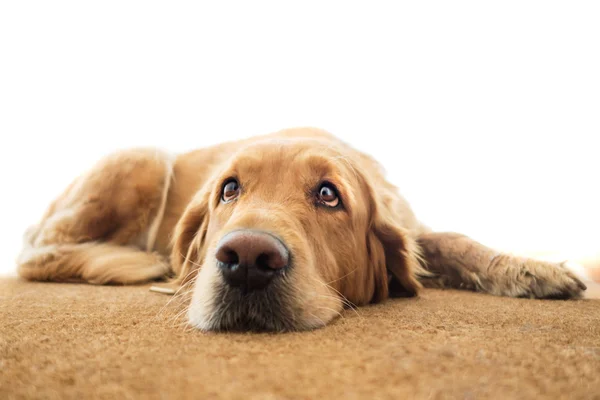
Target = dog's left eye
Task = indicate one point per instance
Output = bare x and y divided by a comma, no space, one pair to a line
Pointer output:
231,191
328,195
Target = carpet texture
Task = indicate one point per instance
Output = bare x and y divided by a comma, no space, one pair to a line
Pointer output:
79,341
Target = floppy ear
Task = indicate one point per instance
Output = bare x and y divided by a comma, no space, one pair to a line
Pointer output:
189,237
378,269
401,258
396,253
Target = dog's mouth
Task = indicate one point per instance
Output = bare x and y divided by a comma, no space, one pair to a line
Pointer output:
248,286
236,309
252,283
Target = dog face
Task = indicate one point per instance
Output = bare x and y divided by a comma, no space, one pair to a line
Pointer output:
284,236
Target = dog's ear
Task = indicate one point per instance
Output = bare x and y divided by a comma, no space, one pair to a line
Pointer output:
401,258
188,238
377,268
393,251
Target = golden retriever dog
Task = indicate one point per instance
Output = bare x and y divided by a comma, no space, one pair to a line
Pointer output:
276,233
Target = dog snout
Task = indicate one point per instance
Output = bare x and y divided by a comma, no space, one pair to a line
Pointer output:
251,259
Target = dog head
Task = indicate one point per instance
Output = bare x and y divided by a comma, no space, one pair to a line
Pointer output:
287,233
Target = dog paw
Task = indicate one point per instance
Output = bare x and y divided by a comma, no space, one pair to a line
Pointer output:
515,276
547,280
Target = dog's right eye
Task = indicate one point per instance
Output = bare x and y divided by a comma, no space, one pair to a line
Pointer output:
328,195
231,191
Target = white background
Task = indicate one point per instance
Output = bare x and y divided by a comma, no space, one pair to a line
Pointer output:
485,114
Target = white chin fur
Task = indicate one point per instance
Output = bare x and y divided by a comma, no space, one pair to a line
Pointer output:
199,321
201,311
201,306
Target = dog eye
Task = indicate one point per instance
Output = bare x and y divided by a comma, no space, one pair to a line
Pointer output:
231,191
328,195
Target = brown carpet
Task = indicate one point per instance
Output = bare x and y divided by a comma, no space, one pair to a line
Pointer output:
78,341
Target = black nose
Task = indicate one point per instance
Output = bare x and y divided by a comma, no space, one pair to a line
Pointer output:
250,259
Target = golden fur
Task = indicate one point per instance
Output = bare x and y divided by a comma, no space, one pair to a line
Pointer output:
141,215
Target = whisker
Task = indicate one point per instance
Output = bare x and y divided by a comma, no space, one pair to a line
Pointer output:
187,328
319,319
178,315
183,286
343,298
335,311
350,305
339,279
178,295
190,261
348,302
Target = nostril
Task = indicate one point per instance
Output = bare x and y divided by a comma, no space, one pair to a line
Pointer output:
227,255
232,257
262,261
272,260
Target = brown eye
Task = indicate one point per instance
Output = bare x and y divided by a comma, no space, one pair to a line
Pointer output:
231,190
328,195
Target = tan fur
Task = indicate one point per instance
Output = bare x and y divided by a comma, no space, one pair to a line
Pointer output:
103,228
97,263
461,262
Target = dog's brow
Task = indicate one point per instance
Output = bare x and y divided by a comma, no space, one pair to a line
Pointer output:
320,164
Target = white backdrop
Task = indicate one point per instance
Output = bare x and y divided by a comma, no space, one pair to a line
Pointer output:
485,114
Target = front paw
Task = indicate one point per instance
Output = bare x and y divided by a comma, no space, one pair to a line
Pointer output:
548,280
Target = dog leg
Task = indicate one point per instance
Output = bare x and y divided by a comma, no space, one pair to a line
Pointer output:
462,263
102,228
116,201
93,262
